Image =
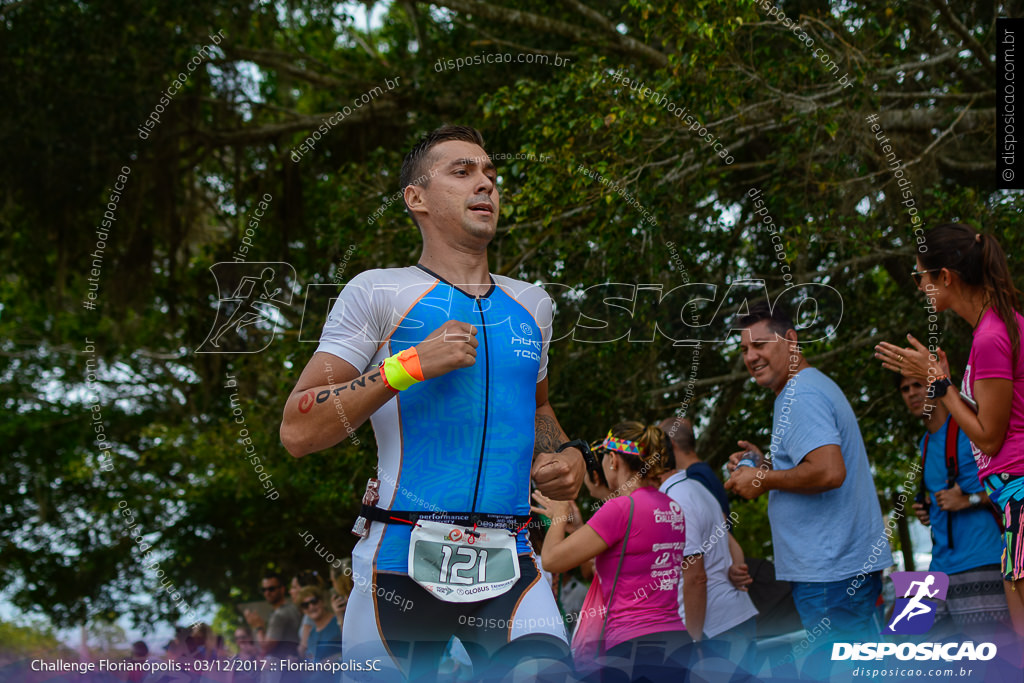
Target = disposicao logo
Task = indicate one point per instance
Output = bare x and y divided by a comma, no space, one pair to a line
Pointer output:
914,612
917,594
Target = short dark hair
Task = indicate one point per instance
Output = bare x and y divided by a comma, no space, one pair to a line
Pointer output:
779,320
680,435
897,380
309,577
414,167
899,377
271,574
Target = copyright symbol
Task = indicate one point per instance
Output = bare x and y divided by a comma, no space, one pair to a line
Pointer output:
1007,174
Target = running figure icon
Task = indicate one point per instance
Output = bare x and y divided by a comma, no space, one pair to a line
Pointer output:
248,311
915,606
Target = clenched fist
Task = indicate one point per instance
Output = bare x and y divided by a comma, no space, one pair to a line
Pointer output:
449,347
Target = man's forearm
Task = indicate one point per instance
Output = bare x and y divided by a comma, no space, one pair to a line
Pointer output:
558,475
695,596
795,481
823,469
735,550
549,434
320,417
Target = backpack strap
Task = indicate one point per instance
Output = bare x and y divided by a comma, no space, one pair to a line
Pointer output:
924,457
952,468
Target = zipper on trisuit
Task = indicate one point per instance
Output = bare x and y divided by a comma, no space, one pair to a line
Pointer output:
487,389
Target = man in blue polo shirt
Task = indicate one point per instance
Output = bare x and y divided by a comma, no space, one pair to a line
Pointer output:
965,535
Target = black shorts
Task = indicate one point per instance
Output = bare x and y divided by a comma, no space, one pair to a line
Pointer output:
414,627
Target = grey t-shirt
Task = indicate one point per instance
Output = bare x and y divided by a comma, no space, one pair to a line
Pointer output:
284,628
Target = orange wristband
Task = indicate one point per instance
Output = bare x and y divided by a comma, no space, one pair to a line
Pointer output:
410,360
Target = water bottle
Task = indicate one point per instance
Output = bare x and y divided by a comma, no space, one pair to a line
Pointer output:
749,459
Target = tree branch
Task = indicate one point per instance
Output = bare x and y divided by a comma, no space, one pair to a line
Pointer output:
278,61
962,31
504,15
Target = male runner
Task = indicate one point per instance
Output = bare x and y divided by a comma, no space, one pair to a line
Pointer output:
460,411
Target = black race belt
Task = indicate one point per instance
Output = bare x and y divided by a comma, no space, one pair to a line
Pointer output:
483,519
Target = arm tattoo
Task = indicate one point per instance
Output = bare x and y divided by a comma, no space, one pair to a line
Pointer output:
307,399
549,435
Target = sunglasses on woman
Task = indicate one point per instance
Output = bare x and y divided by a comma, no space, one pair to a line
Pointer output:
309,603
918,274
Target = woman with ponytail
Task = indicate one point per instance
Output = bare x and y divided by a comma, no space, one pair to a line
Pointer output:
962,270
637,538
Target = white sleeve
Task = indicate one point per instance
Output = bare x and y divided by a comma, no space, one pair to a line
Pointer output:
545,318
358,322
699,524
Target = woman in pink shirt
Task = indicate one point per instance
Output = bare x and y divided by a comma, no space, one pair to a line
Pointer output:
637,538
962,270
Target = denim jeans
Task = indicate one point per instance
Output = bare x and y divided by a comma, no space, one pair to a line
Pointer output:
738,646
845,609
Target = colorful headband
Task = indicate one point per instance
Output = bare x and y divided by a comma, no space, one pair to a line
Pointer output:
621,445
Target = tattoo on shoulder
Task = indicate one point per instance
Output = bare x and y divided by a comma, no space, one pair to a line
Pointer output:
549,435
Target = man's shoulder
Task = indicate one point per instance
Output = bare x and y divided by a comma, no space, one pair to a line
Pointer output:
700,469
681,487
518,288
814,379
288,611
384,278
672,481
813,382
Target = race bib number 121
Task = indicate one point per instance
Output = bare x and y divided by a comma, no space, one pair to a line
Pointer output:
458,565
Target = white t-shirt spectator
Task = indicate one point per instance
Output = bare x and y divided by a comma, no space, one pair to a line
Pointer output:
707,534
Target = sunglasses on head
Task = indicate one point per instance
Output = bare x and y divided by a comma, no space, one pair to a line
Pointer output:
309,603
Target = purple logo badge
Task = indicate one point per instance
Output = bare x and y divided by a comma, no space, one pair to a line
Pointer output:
916,596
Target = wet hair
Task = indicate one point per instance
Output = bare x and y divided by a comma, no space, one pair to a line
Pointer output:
654,448
417,162
981,264
779,320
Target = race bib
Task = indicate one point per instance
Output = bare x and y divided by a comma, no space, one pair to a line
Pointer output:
459,565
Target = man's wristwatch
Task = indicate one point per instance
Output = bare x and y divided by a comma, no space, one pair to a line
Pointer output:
974,499
937,389
588,455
